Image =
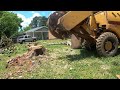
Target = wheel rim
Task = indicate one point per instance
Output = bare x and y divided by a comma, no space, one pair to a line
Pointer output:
109,46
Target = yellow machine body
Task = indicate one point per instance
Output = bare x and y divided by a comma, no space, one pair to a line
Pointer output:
100,30
113,16
101,18
110,19
73,18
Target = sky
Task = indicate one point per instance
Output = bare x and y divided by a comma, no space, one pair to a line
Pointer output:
27,16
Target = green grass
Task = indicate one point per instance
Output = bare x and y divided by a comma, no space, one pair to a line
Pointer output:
62,62
20,49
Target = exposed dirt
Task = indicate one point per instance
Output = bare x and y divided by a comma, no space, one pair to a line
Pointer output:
26,62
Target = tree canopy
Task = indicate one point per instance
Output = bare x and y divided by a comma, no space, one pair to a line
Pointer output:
38,21
10,23
26,28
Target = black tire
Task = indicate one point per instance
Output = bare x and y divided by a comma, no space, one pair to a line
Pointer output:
22,42
101,42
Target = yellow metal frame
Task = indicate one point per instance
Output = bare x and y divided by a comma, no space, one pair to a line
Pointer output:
73,18
109,19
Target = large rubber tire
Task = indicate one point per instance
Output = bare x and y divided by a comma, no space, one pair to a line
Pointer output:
101,41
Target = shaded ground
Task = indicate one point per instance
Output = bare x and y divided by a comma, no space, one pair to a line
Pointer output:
63,62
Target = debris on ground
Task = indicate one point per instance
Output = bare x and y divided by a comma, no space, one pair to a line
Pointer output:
1,51
6,45
68,43
62,43
25,61
33,50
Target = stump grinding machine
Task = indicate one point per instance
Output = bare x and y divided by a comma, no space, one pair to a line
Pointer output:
99,30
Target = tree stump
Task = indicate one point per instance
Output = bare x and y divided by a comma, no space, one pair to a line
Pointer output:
32,51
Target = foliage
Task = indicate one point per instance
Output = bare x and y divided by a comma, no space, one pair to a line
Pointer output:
38,21
27,28
9,23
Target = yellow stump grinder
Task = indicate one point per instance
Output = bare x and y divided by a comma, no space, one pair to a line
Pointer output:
91,29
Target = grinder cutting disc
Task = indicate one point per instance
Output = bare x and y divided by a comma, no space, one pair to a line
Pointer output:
52,25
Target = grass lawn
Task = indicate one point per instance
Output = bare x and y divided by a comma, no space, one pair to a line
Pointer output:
62,62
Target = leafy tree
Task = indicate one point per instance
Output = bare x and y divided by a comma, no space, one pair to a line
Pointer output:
27,28
43,21
35,22
9,23
38,21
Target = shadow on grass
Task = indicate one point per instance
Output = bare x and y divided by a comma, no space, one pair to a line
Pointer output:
83,54
118,52
86,54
